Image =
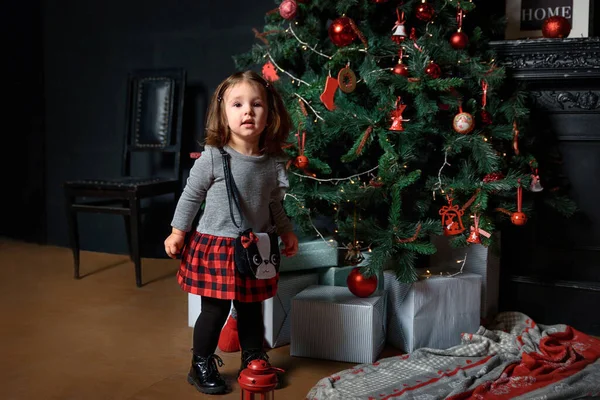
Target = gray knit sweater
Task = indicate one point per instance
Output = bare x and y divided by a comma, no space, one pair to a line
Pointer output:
261,181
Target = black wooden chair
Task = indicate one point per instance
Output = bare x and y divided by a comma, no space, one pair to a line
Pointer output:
153,124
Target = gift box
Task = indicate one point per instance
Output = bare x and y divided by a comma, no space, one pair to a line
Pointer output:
432,312
194,308
329,322
277,310
311,254
484,261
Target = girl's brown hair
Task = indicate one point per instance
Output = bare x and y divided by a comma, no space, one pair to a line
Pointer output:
278,120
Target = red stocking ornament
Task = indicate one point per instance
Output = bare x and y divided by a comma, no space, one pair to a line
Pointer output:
327,97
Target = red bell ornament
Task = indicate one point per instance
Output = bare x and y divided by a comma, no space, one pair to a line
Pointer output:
556,27
360,285
258,381
452,219
474,237
341,32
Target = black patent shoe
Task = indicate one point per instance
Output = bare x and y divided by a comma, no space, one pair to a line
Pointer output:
205,376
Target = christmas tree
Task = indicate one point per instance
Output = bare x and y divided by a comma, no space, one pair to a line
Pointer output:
405,126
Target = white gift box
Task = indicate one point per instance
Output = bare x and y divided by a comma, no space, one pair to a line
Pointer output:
481,260
329,322
432,312
277,310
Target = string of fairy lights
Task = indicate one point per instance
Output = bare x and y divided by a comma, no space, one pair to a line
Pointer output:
318,117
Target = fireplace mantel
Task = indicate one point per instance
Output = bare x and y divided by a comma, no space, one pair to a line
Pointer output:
544,59
551,266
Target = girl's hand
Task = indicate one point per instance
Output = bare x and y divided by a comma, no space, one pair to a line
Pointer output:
174,243
290,244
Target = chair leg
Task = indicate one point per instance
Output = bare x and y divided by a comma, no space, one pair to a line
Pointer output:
127,220
73,233
135,223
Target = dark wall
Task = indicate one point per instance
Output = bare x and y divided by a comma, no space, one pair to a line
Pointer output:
89,48
22,145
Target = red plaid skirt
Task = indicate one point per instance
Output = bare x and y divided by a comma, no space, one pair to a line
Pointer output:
207,269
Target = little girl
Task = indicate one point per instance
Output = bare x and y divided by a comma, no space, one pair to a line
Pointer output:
248,120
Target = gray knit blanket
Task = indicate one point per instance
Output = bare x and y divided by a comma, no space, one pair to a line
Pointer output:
514,358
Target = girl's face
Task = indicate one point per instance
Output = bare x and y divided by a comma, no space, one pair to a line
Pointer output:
246,109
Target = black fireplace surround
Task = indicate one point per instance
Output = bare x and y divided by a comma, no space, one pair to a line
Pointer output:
551,266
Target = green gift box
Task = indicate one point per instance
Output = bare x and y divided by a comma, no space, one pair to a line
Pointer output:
311,254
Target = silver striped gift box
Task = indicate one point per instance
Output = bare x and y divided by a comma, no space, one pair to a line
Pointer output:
432,312
277,310
329,322
481,260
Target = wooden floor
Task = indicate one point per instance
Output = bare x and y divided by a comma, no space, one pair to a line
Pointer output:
101,337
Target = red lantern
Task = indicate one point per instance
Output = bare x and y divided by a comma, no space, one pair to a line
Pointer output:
341,32
556,27
359,285
258,381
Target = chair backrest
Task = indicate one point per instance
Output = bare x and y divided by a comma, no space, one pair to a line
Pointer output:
154,114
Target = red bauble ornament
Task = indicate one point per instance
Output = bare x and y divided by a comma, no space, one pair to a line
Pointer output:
518,218
433,70
288,8
463,123
301,162
486,117
459,40
380,1
341,32
425,11
556,27
359,285
400,69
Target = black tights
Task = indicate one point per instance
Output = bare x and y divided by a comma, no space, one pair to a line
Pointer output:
212,318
